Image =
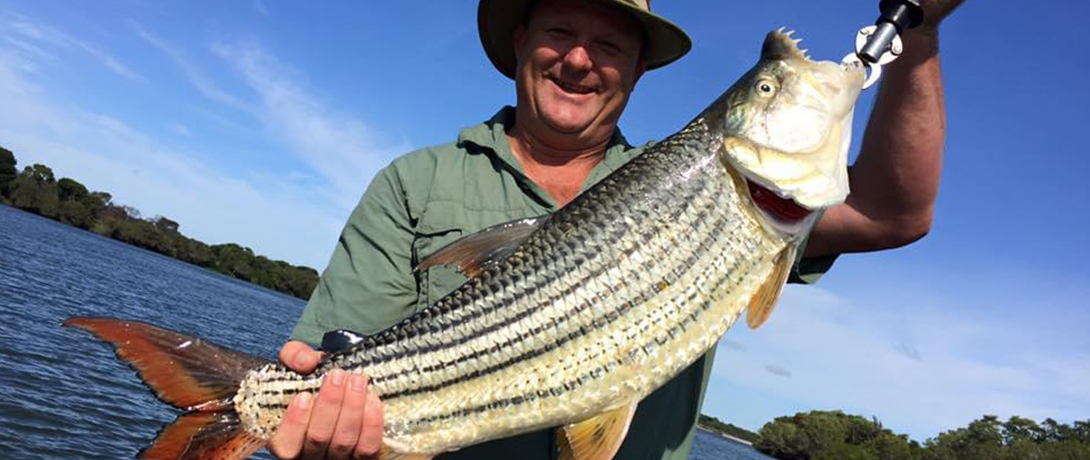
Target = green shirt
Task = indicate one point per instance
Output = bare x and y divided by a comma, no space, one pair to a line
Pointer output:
431,197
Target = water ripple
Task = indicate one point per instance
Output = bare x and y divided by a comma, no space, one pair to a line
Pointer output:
63,395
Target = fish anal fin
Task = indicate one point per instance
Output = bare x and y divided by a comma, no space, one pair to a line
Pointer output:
597,438
473,253
204,436
764,300
388,454
188,372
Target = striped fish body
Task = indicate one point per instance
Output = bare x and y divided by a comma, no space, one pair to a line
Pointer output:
593,309
616,294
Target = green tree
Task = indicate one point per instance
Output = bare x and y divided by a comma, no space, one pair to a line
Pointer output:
74,213
69,189
845,451
34,190
166,225
828,435
8,172
40,173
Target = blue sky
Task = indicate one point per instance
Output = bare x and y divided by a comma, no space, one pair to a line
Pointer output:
261,123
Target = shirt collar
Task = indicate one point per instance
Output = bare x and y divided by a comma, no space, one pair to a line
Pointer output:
490,138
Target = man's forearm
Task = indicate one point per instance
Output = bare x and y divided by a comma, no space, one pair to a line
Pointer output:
895,179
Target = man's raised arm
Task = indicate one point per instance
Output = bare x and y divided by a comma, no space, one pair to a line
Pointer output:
895,180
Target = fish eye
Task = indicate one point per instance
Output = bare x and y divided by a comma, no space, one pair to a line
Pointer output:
766,87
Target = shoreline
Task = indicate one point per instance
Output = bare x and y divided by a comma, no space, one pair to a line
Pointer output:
725,435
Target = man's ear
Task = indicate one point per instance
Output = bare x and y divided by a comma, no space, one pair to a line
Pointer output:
640,68
518,38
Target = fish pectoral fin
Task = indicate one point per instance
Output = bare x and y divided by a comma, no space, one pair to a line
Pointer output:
764,300
340,340
473,253
597,438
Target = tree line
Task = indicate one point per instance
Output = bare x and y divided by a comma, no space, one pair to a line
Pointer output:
35,189
829,435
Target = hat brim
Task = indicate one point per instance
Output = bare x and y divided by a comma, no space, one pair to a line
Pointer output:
497,20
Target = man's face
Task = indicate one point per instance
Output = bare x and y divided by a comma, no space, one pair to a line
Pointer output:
577,63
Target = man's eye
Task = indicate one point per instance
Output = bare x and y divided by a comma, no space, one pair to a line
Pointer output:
610,47
558,32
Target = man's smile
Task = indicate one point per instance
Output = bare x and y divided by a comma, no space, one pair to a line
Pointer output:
570,87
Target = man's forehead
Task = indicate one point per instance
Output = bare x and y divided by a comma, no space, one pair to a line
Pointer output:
596,9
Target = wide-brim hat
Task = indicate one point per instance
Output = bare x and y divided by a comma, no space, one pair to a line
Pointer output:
497,20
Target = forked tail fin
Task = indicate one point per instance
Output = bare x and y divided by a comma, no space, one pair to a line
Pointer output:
193,375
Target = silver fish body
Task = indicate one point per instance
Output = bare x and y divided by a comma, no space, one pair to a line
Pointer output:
613,296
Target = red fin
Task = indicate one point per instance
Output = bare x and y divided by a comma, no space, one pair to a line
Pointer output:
187,372
204,436
473,253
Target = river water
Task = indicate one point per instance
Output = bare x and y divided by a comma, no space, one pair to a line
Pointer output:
65,396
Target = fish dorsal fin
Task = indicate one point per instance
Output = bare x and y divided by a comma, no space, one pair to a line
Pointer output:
340,340
596,438
475,252
764,300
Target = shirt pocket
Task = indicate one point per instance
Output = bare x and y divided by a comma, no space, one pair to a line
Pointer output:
440,224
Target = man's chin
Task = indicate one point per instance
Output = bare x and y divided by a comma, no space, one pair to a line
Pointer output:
568,125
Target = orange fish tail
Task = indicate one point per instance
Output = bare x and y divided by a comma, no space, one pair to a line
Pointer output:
191,374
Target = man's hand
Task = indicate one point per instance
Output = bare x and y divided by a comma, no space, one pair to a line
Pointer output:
934,11
344,421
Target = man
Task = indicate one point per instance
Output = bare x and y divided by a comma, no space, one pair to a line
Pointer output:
575,63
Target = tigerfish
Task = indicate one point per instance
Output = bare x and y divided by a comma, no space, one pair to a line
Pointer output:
567,320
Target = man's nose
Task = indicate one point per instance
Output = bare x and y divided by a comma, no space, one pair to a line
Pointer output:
578,59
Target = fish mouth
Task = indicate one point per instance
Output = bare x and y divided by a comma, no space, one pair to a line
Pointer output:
784,210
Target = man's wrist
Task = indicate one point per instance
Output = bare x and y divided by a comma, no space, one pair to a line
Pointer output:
919,46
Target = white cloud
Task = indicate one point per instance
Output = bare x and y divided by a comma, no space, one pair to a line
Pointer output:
278,218
22,26
198,79
179,128
337,145
289,214
920,370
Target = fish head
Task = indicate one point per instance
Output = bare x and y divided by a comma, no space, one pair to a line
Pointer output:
787,129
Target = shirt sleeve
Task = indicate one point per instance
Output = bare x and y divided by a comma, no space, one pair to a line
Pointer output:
369,283
808,270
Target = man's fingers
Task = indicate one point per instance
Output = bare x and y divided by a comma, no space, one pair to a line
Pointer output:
323,418
347,431
370,442
287,441
299,357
